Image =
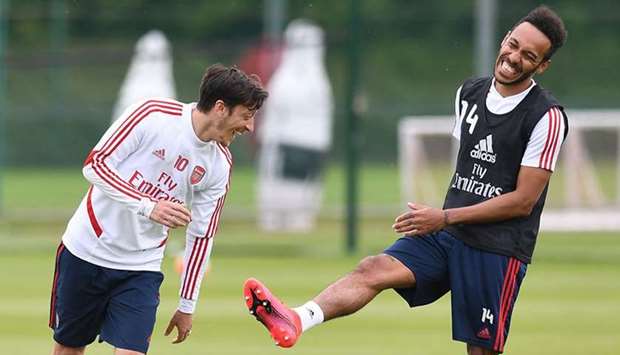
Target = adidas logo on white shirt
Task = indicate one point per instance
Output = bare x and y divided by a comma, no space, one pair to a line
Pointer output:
160,153
484,150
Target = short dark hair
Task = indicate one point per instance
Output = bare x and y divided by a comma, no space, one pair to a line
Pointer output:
549,23
232,86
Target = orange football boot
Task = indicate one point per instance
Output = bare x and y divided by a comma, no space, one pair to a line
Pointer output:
282,322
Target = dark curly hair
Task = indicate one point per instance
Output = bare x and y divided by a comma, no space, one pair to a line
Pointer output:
549,23
232,86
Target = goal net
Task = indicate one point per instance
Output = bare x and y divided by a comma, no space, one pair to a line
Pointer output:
584,193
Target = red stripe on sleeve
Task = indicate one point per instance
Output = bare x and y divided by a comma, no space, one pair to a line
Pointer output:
549,144
200,247
214,222
215,218
197,269
89,158
198,257
547,141
114,182
134,114
190,263
120,136
226,153
553,150
551,129
113,142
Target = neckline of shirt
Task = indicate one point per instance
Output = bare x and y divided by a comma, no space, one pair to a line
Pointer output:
499,105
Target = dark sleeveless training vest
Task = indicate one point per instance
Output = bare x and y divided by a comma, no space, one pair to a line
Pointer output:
489,159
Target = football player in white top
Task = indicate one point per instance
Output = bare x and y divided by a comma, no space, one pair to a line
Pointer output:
163,164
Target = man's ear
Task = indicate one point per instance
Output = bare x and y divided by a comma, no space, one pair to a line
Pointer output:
543,66
221,108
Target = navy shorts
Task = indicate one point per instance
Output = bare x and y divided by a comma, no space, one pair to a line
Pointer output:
484,286
89,300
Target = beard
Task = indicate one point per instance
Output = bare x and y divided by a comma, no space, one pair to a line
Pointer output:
518,80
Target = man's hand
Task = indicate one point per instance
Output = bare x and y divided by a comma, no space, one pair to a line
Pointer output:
420,220
183,323
170,214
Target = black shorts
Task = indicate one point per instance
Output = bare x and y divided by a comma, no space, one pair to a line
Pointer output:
484,286
89,300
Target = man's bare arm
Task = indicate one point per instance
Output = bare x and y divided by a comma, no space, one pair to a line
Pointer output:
422,219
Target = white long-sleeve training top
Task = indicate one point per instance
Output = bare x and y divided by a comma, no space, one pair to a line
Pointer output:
151,153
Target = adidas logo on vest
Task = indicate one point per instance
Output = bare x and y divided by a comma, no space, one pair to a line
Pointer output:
484,150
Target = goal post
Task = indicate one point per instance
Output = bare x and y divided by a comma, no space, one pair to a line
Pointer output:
585,189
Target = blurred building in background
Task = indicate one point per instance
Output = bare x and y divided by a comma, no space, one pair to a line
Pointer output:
295,133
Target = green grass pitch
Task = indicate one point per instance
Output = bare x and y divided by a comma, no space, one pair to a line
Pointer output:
569,302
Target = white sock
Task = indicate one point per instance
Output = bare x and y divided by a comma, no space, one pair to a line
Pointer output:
311,314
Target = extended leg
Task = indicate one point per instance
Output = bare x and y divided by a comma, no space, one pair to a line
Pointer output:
355,290
347,295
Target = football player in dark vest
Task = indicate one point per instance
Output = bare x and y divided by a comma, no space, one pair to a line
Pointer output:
479,244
